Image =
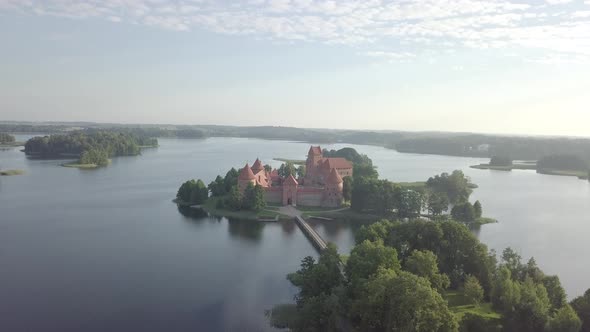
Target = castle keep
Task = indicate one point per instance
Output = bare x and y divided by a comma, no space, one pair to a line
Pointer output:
321,185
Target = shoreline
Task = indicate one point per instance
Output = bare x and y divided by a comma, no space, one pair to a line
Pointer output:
533,167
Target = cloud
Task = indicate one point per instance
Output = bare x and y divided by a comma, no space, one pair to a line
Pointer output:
437,25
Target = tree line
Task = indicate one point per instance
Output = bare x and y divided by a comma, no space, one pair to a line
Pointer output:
398,275
6,138
91,147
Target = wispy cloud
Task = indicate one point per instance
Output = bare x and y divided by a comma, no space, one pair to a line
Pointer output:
555,26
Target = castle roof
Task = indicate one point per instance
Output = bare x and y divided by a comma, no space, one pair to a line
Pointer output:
315,150
334,177
246,173
290,180
329,163
257,166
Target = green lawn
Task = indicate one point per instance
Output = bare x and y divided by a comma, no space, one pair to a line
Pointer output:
294,161
345,214
460,305
211,207
10,172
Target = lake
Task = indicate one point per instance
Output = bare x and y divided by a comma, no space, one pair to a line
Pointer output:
107,250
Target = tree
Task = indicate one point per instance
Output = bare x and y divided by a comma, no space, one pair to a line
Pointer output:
531,312
287,169
364,171
456,186
555,292
185,191
94,156
581,305
423,263
505,292
366,258
437,203
217,187
199,193
463,212
500,161
231,179
564,320
234,199
6,138
347,188
473,290
301,171
268,168
401,301
408,203
477,209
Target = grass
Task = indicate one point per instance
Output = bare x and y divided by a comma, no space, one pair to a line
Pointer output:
11,172
345,214
460,305
211,207
417,186
523,165
75,164
294,161
580,174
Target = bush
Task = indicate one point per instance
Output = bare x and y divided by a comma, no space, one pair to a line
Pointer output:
475,323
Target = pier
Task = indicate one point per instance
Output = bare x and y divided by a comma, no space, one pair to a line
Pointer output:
311,234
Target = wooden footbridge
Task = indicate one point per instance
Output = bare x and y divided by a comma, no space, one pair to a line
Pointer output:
316,240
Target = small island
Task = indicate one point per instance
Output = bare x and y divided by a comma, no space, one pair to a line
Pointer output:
564,165
7,141
92,148
11,172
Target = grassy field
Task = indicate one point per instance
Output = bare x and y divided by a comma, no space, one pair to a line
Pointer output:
294,161
75,164
11,144
527,165
11,172
580,174
211,207
341,215
459,305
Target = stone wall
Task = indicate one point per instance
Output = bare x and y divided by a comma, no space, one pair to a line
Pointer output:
310,197
273,196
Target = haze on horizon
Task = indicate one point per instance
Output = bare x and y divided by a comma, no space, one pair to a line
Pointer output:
495,66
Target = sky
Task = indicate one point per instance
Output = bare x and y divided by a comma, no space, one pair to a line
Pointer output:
496,66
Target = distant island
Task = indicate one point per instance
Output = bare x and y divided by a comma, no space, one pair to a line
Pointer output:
558,164
92,148
7,140
11,172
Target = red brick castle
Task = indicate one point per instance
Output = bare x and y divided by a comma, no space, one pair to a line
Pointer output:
321,186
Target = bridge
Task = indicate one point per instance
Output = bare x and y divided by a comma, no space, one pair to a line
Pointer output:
316,240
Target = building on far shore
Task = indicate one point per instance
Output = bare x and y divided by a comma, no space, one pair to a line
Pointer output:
321,186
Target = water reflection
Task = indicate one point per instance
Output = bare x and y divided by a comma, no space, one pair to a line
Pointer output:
192,213
246,229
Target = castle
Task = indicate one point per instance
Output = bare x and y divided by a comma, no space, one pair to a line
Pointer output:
322,184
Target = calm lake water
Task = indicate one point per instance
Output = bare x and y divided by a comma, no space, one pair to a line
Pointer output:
106,250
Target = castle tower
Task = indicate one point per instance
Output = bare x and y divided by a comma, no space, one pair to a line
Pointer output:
245,177
311,165
333,190
290,191
257,166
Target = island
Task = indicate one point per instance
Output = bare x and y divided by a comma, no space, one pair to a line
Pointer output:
91,148
11,172
555,164
7,140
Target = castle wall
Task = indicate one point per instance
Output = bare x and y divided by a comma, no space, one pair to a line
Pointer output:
273,196
307,197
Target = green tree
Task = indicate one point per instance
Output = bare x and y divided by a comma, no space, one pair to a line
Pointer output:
231,179
581,305
234,199
185,191
401,301
364,171
463,212
217,187
437,203
477,209
564,320
408,203
505,292
301,171
94,156
199,193
456,186
347,188
287,169
268,168
6,138
473,290
423,263
531,312
555,292
366,258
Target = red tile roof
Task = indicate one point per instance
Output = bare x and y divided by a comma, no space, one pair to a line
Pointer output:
257,166
246,173
290,181
334,177
340,163
315,150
